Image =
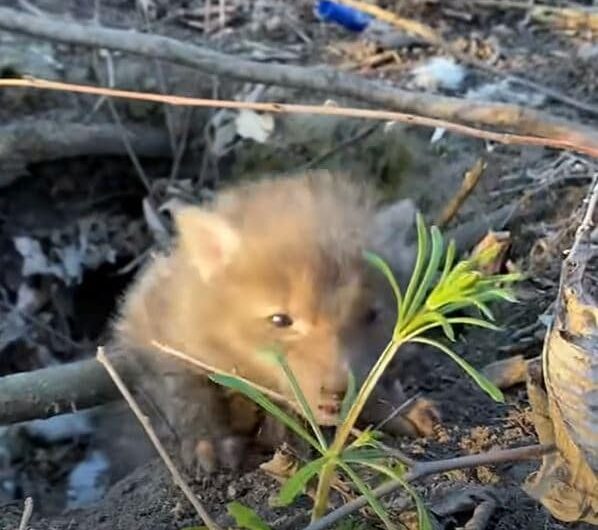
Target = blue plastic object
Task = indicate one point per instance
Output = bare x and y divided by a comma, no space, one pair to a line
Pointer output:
345,16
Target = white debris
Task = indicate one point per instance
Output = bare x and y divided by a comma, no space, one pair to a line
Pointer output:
504,92
60,428
87,481
439,72
254,126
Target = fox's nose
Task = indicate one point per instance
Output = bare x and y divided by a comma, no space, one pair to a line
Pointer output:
334,386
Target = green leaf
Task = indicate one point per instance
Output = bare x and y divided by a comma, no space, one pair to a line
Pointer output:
255,395
428,320
497,294
422,252
349,396
300,397
482,381
422,514
383,267
295,485
245,517
423,517
497,279
468,301
368,494
431,269
359,455
451,251
366,438
470,321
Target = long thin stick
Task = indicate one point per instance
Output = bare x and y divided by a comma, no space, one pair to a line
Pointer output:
145,423
325,110
212,369
423,469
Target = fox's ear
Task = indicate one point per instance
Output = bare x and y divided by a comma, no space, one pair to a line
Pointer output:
208,240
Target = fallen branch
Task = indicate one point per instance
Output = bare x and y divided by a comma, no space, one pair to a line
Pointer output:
470,181
32,141
145,423
289,108
55,390
423,469
325,80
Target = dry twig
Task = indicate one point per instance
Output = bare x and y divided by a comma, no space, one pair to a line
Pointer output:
424,469
564,140
213,370
470,181
119,123
144,420
563,134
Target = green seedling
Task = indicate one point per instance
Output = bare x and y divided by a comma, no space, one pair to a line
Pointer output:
432,301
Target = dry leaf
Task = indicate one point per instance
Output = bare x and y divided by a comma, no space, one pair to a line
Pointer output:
566,411
499,242
254,126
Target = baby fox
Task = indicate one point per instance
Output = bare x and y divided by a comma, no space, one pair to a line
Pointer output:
273,263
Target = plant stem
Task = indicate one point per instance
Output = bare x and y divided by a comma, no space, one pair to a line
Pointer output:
344,430
323,489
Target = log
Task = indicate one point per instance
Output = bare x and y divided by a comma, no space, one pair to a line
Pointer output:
40,140
55,390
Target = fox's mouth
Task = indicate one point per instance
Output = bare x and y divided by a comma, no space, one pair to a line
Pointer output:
328,412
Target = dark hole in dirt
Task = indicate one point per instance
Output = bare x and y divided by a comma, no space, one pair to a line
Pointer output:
95,300
8,72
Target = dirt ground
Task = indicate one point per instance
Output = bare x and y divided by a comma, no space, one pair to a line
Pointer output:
84,218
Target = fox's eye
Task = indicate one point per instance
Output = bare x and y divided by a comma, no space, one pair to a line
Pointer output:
371,315
281,320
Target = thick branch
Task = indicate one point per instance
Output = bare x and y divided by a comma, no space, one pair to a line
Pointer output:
32,141
55,390
512,117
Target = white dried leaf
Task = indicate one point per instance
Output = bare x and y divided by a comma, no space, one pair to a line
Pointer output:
35,260
437,135
172,205
257,127
439,72
504,91
72,259
152,218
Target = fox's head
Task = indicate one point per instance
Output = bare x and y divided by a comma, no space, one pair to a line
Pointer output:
275,264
